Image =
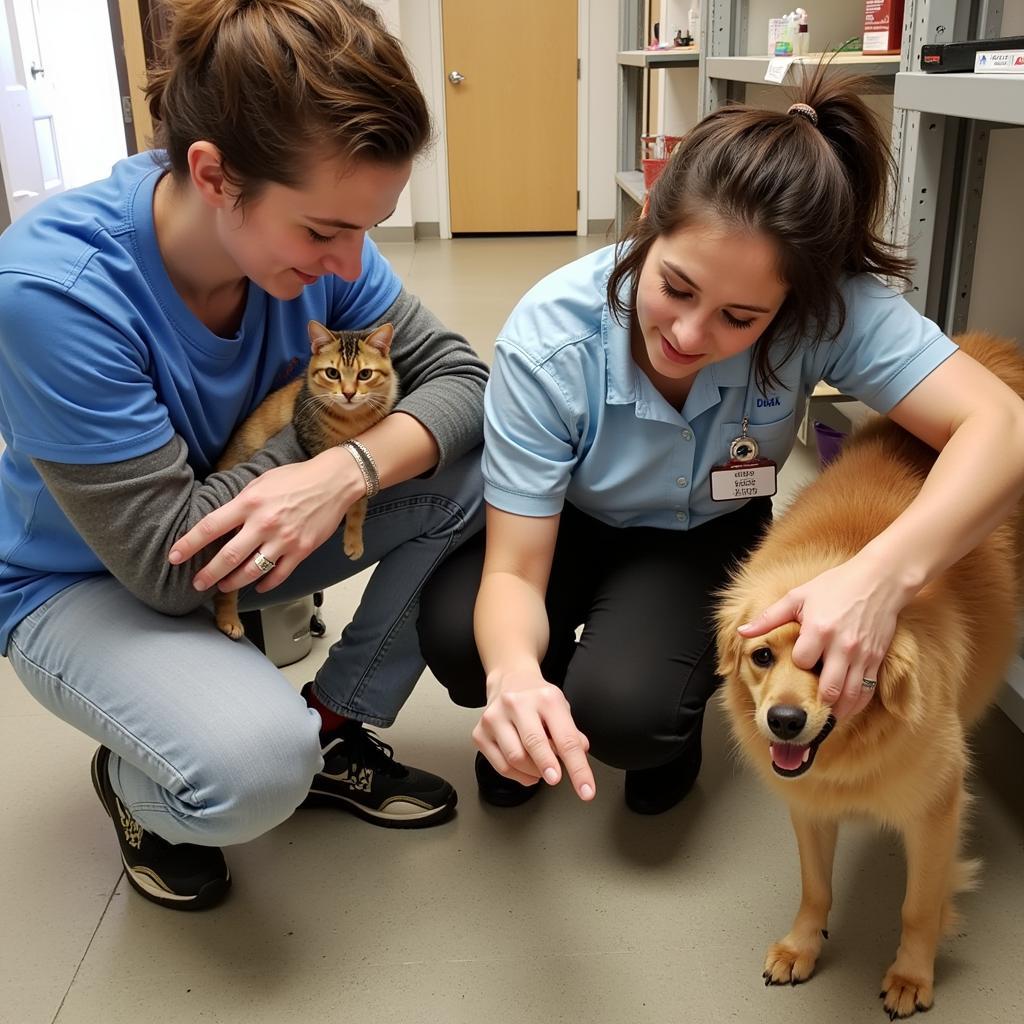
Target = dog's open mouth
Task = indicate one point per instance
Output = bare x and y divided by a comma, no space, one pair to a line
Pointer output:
793,759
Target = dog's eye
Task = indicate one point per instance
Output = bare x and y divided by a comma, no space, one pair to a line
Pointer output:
763,657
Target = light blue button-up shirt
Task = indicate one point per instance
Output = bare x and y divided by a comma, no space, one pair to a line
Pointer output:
570,416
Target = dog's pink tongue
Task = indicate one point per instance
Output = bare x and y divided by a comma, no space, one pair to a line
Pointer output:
787,756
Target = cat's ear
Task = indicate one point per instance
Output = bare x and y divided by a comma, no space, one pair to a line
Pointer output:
381,338
319,336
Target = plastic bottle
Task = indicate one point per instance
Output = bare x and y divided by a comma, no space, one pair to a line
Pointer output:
694,23
803,37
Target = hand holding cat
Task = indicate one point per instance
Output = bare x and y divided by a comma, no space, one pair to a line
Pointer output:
284,514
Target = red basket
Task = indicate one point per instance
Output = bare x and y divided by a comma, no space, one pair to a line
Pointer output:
656,151
652,168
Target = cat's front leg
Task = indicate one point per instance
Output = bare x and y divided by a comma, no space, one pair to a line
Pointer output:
225,610
353,537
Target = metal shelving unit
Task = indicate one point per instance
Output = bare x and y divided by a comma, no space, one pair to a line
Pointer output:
995,98
635,64
941,130
679,58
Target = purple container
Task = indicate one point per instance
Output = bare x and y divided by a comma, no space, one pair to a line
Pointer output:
828,442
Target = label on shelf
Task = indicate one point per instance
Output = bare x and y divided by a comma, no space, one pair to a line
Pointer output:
999,62
777,68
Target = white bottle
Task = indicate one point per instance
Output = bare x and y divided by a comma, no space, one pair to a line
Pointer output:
803,37
694,23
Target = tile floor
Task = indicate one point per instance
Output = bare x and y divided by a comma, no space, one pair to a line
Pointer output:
554,911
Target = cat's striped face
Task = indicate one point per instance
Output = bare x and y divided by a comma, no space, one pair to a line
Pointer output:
352,368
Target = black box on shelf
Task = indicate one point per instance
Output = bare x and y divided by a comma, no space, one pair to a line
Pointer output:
948,57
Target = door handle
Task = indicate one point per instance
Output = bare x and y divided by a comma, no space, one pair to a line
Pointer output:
35,70
24,193
455,78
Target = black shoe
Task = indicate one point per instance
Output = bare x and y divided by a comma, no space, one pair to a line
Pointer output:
361,775
496,789
656,790
182,876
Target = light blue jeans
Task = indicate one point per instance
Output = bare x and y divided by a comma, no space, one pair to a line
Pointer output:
211,745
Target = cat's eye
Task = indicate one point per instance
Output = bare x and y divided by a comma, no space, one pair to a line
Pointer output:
763,657
364,375
331,373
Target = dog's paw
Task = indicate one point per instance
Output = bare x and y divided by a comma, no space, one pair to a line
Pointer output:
904,995
787,965
231,628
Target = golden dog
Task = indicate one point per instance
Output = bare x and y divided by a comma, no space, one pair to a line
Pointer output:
903,759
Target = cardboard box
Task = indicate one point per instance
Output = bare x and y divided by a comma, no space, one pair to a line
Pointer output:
883,26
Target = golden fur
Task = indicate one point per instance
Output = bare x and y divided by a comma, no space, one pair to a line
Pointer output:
903,760
349,385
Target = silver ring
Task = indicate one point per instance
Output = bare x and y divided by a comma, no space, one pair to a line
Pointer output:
263,563
869,684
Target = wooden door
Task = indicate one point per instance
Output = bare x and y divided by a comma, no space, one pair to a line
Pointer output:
511,115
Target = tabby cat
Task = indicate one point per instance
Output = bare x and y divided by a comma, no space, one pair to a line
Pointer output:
348,386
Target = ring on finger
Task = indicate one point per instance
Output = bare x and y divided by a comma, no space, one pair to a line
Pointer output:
263,563
869,684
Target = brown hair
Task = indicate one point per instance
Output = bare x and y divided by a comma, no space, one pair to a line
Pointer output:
818,191
271,82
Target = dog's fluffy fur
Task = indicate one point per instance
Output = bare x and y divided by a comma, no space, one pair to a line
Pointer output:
903,759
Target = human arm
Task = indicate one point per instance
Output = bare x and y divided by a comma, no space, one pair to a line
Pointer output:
848,614
527,726
131,512
288,513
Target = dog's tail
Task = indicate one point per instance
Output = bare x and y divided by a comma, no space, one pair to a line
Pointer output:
966,876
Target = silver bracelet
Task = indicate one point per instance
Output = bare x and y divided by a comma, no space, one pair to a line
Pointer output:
367,467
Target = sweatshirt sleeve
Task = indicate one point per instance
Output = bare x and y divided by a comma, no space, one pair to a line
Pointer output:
131,512
442,378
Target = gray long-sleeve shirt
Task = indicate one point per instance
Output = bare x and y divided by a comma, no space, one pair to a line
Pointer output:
131,512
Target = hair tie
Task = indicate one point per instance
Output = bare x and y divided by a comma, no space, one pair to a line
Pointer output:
805,110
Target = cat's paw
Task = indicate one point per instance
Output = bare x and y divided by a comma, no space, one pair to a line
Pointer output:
354,549
231,628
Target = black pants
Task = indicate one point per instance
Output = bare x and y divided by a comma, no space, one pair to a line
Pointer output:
639,677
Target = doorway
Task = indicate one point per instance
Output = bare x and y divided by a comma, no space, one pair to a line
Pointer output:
62,122
510,85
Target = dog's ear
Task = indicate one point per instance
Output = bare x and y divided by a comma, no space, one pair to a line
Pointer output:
729,616
899,685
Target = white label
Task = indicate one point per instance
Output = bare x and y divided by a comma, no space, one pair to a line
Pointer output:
731,482
777,68
875,42
999,62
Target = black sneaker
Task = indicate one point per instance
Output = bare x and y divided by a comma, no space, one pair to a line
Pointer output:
361,775
182,876
656,790
497,790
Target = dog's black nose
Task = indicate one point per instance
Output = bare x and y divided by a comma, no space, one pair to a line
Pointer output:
786,721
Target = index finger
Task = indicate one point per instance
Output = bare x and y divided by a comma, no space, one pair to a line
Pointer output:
569,745
212,526
787,609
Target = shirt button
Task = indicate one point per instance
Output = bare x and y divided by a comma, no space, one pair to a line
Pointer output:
682,481
687,435
681,516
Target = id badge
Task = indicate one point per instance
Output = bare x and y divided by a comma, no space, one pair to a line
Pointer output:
745,475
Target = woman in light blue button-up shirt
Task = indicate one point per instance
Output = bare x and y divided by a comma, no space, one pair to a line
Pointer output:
619,383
